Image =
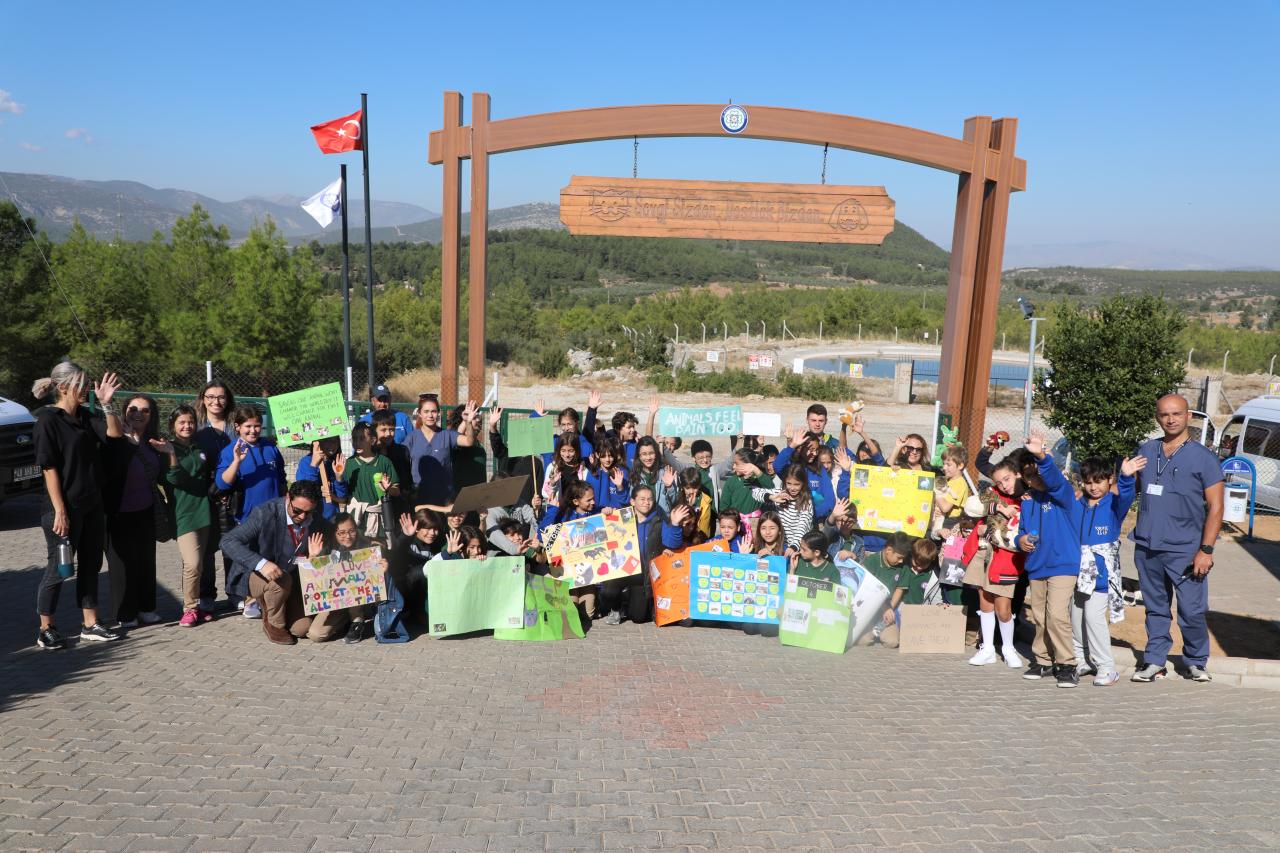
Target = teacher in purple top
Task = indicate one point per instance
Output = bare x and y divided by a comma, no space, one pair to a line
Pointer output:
1179,517
431,450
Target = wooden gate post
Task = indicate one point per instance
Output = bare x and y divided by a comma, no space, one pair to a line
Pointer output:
476,258
450,239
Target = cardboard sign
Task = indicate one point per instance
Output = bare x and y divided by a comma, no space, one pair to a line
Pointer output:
482,496
531,436
329,583
475,595
597,548
669,577
761,423
711,421
728,587
301,417
549,612
931,629
890,501
808,213
870,598
815,615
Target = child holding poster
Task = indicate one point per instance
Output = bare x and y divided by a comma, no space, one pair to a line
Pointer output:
729,530
370,476
632,596
812,562
770,541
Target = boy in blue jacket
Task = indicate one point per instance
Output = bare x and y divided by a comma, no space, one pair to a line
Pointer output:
1049,534
1101,514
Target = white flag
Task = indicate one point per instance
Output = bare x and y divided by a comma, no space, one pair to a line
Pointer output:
326,204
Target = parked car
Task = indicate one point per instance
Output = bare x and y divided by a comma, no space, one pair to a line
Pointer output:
19,472
1254,433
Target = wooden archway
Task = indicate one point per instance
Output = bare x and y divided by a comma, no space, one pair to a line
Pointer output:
983,158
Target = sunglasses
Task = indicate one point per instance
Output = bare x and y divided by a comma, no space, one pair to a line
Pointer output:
139,410
299,513
911,448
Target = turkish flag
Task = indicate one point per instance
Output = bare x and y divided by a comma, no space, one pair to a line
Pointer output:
339,135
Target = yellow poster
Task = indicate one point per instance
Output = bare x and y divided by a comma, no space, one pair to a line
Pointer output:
596,548
890,501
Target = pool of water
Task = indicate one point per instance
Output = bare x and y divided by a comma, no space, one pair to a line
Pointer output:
926,370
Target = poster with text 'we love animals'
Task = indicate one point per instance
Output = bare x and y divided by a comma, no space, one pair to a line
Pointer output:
889,500
330,583
597,548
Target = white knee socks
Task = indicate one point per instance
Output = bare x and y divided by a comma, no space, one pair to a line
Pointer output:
1006,634
987,622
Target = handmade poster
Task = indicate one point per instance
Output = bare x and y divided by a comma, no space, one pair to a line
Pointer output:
475,595
815,615
761,423
482,496
597,548
301,417
329,583
549,613
870,598
530,436
728,587
712,421
889,500
931,629
669,577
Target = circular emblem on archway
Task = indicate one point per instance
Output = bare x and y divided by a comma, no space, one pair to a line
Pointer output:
733,118
850,215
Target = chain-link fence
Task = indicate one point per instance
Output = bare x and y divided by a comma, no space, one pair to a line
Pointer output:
190,378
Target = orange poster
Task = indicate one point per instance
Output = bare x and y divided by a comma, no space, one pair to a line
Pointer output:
670,579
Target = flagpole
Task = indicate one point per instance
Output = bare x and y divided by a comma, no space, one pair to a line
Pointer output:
368,226
346,288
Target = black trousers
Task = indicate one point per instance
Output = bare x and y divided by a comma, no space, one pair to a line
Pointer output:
87,528
131,561
632,596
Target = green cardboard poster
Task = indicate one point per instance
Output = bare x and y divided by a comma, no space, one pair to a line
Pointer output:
530,436
474,595
815,615
301,417
710,421
549,613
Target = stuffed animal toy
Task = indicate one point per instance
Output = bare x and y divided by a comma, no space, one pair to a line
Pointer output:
950,436
1001,530
847,413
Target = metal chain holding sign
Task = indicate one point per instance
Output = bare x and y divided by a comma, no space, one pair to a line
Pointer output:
635,155
825,146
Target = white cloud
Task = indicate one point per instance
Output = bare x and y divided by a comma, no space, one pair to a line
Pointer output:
29,146
9,105
80,133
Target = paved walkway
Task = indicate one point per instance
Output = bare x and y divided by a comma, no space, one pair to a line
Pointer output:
634,738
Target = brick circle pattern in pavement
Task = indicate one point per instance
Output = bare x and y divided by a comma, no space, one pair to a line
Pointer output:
640,738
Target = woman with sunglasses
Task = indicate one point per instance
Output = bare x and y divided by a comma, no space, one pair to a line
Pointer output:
911,451
135,469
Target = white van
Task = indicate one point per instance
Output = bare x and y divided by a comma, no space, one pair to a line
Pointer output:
1254,433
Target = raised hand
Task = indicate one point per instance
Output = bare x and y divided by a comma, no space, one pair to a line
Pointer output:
668,476
798,437
315,545
857,425
469,411
780,498
162,446
495,418
653,406
679,515
242,449
593,399
1036,445
616,477
407,526
107,388
540,407
1133,465
317,454
841,509
843,459
453,542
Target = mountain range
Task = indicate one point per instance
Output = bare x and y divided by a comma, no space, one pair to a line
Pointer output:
135,211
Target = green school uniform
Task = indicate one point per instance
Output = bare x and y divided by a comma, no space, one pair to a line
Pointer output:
362,475
823,571
736,492
190,479
887,575
915,584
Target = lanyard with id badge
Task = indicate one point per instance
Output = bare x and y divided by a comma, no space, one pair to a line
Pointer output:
1156,489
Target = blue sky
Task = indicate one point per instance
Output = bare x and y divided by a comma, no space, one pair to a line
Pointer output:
1150,123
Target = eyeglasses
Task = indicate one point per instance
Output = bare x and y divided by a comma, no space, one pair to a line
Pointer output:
139,410
216,398
911,448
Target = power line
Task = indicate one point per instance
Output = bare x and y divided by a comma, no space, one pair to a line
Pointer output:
53,275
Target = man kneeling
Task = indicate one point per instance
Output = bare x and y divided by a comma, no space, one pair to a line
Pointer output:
266,548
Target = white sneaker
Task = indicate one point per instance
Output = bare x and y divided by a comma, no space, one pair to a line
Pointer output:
984,656
149,617
1013,660
252,610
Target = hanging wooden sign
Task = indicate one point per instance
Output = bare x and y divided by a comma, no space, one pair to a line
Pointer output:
799,213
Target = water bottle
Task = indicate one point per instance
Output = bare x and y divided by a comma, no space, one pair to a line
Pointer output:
66,559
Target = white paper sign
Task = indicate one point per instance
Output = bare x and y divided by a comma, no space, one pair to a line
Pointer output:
797,365
761,423
712,355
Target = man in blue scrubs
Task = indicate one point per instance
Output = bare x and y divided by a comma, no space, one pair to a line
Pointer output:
1179,516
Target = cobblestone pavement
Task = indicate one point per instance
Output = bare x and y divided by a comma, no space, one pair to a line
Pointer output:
634,738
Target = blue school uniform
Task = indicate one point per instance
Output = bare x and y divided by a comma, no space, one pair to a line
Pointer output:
607,494
307,471
1053,515
824,498
261,476
1100,523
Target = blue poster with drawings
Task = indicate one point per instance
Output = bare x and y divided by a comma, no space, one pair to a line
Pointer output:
730,587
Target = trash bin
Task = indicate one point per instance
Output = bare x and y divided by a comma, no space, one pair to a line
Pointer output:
1237,504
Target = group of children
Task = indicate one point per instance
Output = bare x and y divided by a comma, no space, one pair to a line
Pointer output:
1028,539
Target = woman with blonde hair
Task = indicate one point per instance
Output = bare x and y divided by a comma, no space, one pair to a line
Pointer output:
69,441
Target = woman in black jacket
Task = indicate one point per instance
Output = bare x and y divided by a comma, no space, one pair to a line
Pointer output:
134,473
